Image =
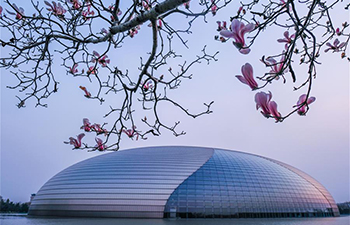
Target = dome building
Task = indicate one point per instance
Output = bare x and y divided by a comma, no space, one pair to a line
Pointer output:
186,182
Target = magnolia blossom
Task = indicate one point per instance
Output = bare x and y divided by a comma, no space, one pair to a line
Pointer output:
276,67
57,9
98,129
73,69
146,5
101,60
86,125
237,32
91,70
76,142
100,146
214,8
262,100
223,26
87,94
268,107
303,103
273,110
1,11
87,12
335,47
239,10
76,4
159,25
131,132
111,8
287,39
338,31
133,31
247,78
147,85
19,12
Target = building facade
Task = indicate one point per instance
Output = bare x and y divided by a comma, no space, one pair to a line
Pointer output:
186,182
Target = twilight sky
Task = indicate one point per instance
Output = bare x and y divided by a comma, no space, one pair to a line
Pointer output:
32,149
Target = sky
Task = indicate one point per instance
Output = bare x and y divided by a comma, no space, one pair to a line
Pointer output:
32,148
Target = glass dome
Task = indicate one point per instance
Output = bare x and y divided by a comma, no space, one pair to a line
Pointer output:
180,181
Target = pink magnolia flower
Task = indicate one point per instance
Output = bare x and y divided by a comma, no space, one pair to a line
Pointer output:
273,110
159,25
86,125
303,103
87,94
276,67
131,132
98,129
100,146
268,107
91,70
338,32
57,9
146,5
287,39
101,60
76,142
335,47
247,78
237,32
1,11
119,12
111,8
214,8
76,4
133,31
73,69
223,26
147,86
87,13
19,12
262,100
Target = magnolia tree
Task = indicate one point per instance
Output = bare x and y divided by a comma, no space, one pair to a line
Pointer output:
86,33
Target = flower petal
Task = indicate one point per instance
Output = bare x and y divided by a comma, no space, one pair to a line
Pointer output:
311,100
226,33
242,79
244,51
248,28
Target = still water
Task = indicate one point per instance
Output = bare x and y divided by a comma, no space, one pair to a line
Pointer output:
10,219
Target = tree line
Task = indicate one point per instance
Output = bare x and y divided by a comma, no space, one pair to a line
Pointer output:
9,206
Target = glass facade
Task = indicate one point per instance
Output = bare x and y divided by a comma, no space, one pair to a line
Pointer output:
132,183
238,185
187,182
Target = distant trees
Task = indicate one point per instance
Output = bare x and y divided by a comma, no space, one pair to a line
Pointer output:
344,208
9,206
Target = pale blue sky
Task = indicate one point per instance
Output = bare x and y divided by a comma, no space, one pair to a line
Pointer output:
32,148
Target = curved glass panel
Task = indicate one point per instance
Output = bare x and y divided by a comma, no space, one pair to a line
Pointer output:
235,185
132,183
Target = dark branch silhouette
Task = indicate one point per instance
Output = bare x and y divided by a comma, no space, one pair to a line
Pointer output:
85,33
